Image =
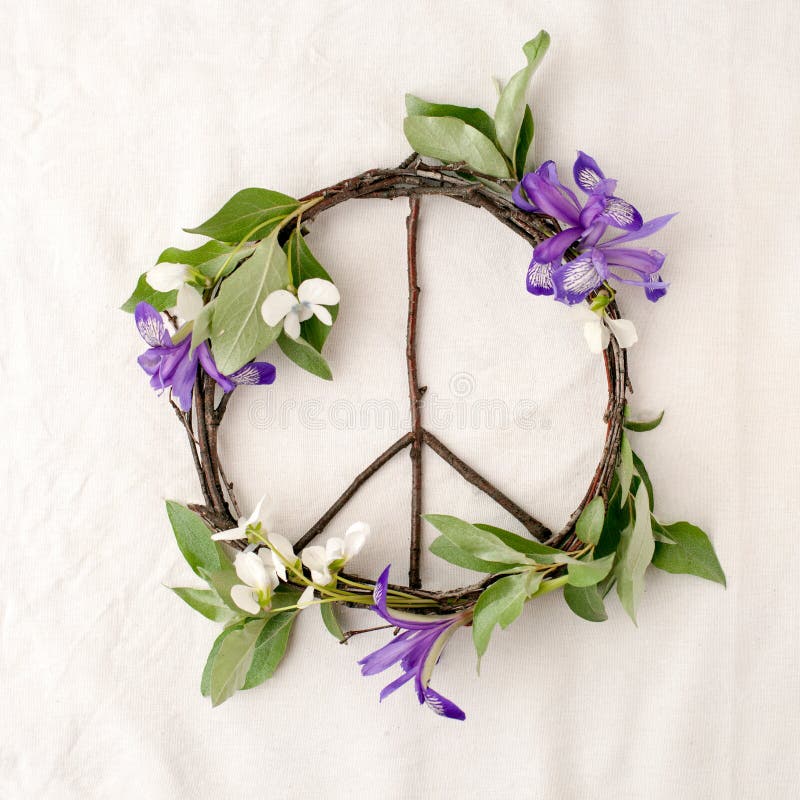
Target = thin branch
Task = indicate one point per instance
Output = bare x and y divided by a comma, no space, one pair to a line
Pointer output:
414,397
531,524
361,478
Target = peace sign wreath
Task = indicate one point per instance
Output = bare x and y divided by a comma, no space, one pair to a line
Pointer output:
256,282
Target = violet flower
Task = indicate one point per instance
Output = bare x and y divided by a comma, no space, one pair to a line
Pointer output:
417,648
173,365
586,224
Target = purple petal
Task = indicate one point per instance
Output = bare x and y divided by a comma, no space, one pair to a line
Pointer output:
150,325
256,373
648,229
540,278
575,279
655,293
398,648
649,282
621,214
647,261
586,173
150,360
183,381
549,171
593,234
549,199
404,678
520,201
443,706
210,367
553,249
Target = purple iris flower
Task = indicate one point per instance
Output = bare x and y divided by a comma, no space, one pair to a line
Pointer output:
174,365
417,649
586,224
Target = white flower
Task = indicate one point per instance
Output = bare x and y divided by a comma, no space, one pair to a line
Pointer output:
240,532
167,277
597,329
312,297
323,561
258,578
282,554
189,303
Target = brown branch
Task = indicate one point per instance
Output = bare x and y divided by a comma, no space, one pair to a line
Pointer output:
361,478
185,418
531,524
414,396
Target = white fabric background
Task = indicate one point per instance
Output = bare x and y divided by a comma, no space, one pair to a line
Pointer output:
123,122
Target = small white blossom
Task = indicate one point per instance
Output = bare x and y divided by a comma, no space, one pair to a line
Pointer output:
312,297
325,561
240,532
258,577
189,303
597,329
166,277
282,554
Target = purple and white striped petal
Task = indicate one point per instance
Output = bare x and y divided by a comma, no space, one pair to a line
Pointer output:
442,706
150,325
256,373
575,279
540,278
586,173
655,291
621,214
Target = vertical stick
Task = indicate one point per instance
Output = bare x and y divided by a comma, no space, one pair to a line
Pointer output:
414,396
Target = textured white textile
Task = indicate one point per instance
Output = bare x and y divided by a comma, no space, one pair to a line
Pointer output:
123,122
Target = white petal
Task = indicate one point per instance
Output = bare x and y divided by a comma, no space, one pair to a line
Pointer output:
624,331
321,578
596,335
307,598
251,570
334,549
355,538
291,325
167,277
322,314
315,559
229,536
317,290
190,302
246,598
255,516
304,313
277,306
280,567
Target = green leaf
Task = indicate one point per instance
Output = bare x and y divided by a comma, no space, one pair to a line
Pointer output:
524,142
205,681
232,661
305,356
451,140
474,541
474,117
246,214
212,259
331,623
692,553
500,604
510,110
145,293
617,519
270,648
634,554
207,602
222,581
586,602
588,573
625,469
649,425
201,327
303,265
659,532
238,331
445,549
641,471
528,546
590,523
194,540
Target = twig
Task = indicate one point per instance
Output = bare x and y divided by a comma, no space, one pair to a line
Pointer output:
362,477
350,634
531,524
414,396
